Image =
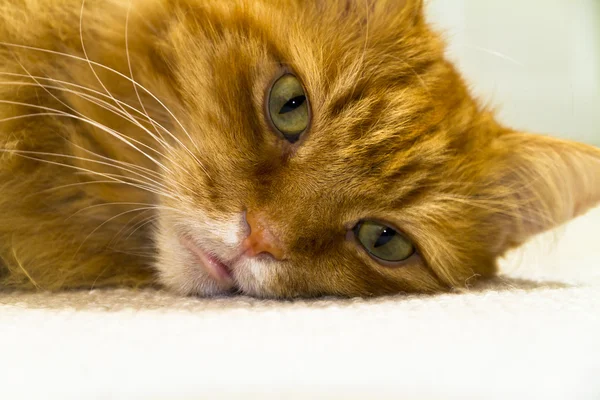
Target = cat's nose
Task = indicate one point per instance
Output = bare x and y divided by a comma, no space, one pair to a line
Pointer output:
261,238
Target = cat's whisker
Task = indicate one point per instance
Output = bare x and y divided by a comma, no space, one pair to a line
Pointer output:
104,128
125,115
93,285
164,144
126,228
70,185
92,99
495,53
135,84
137,183
82,41
150,182
113,177
109,106
135,228
46,87
118,203
58,113
25,116
148,254
130,118
129,165
142,224
105,223
22,268
119,105
145,221
137,93
150,173
147,180
94,63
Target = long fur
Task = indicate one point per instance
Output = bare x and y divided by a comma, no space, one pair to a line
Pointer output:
125,125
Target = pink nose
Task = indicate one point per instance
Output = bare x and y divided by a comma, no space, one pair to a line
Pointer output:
261,239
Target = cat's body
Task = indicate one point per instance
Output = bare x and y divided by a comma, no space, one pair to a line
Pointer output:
182,179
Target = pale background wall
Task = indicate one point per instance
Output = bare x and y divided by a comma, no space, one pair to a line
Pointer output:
537,61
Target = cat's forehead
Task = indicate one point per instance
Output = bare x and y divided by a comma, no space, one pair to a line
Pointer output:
371,89
375,131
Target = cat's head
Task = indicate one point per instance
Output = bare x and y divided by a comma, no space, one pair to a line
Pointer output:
327,147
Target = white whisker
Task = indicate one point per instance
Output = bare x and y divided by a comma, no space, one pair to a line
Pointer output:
137,93
496,54
129,165
110,131
151,206
92,99
134,84
106,222
156,185
119,235
148,181
177,121
126,115
88,97
89,62
150,173
73,185
141,224
116,178
100,103
125,112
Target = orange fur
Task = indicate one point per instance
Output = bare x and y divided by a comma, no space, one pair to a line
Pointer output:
94,192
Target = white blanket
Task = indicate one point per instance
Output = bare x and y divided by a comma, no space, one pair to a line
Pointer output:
532,334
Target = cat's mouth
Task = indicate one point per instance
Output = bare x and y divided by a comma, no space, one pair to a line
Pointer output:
218,270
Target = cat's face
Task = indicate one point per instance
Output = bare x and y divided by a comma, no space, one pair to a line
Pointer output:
327,148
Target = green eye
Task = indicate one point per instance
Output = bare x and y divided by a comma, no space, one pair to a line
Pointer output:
383,242
288,107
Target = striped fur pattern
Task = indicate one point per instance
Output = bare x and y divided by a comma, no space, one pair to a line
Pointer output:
127,125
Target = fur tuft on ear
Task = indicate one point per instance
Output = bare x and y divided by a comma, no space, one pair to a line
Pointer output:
548,182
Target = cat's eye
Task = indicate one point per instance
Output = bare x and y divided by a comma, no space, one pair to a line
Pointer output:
288,107
383,242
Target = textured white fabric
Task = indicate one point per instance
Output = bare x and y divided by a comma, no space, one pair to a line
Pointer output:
532,334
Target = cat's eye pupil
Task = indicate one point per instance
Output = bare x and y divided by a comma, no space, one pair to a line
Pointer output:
292,104
386,236
383,243
288,108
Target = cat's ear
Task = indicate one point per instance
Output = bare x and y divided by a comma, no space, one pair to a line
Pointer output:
542,183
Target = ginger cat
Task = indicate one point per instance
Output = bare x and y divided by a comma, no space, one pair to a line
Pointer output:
275,148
